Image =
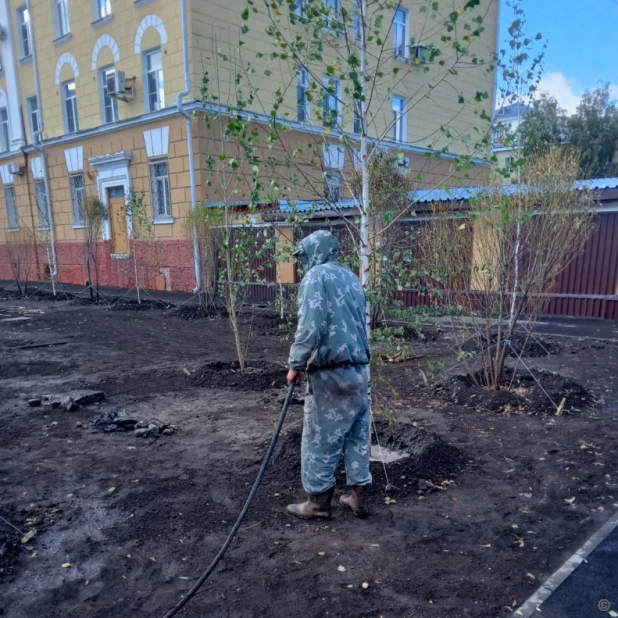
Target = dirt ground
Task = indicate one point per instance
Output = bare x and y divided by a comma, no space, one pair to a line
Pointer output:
126,525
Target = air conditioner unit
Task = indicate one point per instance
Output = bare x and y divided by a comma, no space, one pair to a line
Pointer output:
118,88
15,168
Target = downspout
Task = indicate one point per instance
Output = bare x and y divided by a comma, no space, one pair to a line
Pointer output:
37,140
181,109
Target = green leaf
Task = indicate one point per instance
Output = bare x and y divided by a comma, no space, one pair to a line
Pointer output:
245,14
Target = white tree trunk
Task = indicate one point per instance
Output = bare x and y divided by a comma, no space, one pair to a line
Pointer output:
364,160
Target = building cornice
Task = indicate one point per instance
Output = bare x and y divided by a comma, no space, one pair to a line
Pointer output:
193,106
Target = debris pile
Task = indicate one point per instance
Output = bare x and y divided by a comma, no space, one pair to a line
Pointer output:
70,402
113,420
153,429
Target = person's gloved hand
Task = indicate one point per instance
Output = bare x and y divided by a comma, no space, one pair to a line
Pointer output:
293,376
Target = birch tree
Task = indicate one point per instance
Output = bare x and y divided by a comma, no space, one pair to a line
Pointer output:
352,79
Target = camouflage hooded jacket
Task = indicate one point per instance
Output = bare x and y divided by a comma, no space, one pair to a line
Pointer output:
331,316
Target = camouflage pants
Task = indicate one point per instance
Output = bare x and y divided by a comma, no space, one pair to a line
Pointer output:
337,420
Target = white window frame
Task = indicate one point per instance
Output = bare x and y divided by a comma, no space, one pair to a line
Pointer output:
333,182
399,119
160,104
77,199
65,102
336,98
5,130
42,204
334,8
302,82
357,23
102,9
32,113
104,78
401,44
357,125
11,208
61,18
299,8
164,213
24,32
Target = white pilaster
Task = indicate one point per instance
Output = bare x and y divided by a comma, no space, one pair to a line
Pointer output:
10,72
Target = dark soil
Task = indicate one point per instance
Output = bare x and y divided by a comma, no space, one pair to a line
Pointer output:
34,294
525,395
430,458
483,500
195,312
267,323
423,333
258,376
117,303
524,346
130,304
10,543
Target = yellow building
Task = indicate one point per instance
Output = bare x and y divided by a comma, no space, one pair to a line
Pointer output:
101,97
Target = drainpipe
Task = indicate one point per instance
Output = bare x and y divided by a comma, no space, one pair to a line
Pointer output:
181,109
37,141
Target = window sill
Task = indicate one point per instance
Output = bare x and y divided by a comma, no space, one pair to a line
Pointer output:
98,23
162,220
63,39
13,229
138,3
79,226
26,59
43,228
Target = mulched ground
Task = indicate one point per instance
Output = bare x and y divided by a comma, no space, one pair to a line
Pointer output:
486,506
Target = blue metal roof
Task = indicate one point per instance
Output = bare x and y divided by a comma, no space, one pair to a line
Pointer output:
460,194
424,196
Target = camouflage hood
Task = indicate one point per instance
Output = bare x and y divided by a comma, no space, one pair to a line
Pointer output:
317,248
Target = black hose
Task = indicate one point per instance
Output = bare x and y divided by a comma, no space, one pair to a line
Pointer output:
232,534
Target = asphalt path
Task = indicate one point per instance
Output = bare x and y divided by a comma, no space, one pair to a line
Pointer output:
591,591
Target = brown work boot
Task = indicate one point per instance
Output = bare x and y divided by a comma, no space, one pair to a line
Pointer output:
316,507
355,500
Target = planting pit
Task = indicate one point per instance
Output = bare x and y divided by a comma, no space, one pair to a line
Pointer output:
411,457
525,396
258,376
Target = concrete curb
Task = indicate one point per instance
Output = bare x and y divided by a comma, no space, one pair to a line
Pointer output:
531,606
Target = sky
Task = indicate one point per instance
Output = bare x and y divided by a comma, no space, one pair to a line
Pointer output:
582,44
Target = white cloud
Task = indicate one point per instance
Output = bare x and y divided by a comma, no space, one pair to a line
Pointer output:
566,91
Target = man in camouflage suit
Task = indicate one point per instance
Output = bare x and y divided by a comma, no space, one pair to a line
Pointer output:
331,345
